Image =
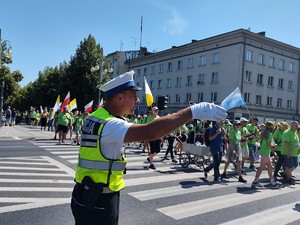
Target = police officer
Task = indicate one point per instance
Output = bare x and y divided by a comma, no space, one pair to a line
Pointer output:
101,163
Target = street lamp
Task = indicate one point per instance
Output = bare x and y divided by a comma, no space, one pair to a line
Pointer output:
99,66
6,52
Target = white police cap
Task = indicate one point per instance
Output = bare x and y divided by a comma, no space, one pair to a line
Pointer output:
123,82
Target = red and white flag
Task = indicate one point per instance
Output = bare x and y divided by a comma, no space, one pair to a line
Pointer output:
101,103
89,106
65,102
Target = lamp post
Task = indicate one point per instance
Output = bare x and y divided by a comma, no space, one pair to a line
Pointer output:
5,49
99,66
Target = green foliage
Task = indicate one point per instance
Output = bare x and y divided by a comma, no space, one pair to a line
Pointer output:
76,76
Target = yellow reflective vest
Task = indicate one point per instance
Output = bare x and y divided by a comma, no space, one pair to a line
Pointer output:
91,161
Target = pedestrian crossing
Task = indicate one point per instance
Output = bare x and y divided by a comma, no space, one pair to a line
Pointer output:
33,182
182,195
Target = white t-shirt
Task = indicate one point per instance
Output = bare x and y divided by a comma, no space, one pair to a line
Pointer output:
112,138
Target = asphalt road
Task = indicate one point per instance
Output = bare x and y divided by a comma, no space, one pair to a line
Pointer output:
36,180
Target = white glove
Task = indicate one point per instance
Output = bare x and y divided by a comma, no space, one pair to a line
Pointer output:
208,111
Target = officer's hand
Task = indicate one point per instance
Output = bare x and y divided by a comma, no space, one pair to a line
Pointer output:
208,111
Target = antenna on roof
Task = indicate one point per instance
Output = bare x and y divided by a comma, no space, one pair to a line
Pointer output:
141,36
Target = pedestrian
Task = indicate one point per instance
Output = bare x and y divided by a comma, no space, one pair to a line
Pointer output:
290,145
216,134
252,146
13,116
63,121
44,116
234,153
154,144
78,122
101,163
266,145
170,138
8,116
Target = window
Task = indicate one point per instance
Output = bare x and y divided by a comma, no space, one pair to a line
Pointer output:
289,104
291,67
261,59
270,81
189,80
200,97
188,97
213,96
290,85
271,61
178,81
159,83
169,67
249,55
201,79
202,60
151,84
280,83
190,63
281,64
214,77
138,72
145,71
269,101
216,57
179,65
177,98
258,100
260,79
168,82
152,70
248,77
247,97
161,68
279,103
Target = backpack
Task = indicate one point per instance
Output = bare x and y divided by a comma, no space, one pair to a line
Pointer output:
206,136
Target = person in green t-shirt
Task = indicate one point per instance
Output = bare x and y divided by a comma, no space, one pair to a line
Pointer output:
78,122
281,127
235,151
63,121
253,129
244,142
290,146
266,145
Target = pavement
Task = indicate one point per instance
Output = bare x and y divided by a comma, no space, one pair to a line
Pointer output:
24,132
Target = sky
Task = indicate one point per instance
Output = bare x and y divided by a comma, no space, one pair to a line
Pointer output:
44,33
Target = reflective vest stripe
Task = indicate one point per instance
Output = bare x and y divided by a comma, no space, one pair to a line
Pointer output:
96,165
89,144
94,119
89,137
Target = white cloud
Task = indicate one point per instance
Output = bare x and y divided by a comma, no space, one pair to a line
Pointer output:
175,25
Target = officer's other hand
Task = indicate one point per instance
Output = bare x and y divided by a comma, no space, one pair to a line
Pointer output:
208,111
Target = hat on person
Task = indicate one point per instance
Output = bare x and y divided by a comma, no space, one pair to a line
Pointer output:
243,119
154,108
123,82
236,122
270,125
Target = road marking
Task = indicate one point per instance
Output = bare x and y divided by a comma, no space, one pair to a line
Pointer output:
23,163
279,215
36,189
65,152
54,180
31,203
184,210
29,168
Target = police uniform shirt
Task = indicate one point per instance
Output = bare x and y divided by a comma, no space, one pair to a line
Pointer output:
112,138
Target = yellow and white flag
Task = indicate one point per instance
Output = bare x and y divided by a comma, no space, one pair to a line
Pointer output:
72,105
149,97
56,105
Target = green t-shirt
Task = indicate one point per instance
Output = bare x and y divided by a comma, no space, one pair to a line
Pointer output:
277,136
264,149
292,138
63,119
252,129
33,114
235,136
78,123
244,132
150,118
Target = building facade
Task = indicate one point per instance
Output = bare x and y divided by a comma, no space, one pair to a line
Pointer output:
265,70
